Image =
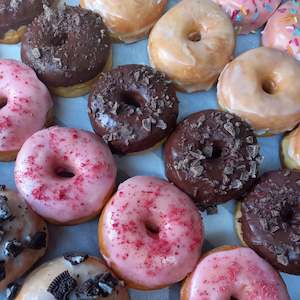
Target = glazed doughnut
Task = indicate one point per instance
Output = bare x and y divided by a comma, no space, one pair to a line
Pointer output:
248,16
127,23
283,28
15,15
269,220
150,233
267,95
68,48
290,149
25,106
213,156
24,237
66,175
133,107
192,43
74,276
233,273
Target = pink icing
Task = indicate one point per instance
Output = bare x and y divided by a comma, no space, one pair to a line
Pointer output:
146,258
248,15
238,273
58,198
283,29
28,102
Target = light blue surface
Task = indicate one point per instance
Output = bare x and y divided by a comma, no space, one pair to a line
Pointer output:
73,113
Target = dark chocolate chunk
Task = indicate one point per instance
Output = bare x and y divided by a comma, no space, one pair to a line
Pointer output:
2,270
62,285
12,290
38,241
5,213
13,248
75,258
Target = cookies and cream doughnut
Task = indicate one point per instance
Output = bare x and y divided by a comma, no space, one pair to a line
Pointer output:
248,16
23,234
150,233
268,220
213,156
68,47
66,175
192,43
130,21
230,272
267,93
25,106
290,149
133,107
16,15
283,28
74,276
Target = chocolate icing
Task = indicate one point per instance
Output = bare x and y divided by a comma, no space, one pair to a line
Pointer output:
15,13
271,219
133,107
213,156
66,46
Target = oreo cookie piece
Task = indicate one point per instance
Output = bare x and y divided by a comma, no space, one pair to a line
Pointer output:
13,248
62,285
38,241
107,282
2,270
5,213
2,187
12,291
75,258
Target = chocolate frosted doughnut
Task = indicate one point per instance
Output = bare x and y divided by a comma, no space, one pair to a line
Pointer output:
15,15
67,47
133,107
213,156
270,219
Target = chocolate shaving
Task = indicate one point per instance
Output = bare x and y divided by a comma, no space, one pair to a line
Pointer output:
75,258
12,290
62,285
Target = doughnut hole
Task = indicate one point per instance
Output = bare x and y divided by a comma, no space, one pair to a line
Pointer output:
152,229
287,214
59,40
215,151
269,86
3,101
64,172
194,36
132,99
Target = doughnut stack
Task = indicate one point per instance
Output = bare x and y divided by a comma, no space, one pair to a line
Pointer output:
151,231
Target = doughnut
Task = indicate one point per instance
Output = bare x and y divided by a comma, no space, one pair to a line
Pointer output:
133,107
16,15
66,175
150,233
248,16
269,220
192,43
230,272
212,156
283,29
290,150
127,23
73,276
25,106
267,95
68,48
24,237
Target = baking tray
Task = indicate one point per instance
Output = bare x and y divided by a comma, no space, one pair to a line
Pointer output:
219,228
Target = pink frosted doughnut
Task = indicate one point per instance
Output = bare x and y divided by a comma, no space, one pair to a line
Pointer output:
283,29
150,233
248,15
25,106
234,272
66,175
